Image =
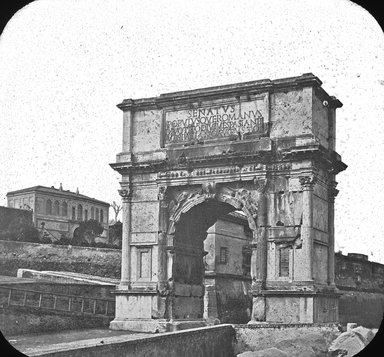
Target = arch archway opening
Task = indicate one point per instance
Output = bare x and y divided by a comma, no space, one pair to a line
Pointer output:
188,269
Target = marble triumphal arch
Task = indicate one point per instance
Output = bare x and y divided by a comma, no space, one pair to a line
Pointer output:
264,148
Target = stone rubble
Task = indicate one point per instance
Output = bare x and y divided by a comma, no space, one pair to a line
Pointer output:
347,344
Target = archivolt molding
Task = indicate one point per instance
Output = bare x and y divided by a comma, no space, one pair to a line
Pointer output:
246,200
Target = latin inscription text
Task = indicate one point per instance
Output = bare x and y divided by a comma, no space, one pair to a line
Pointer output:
213,122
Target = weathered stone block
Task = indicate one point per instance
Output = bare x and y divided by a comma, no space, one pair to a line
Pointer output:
133,306
348,344
145,193
146,130
182,289
197,290
311,345
320,214
146,237
188,307
145,217
291,113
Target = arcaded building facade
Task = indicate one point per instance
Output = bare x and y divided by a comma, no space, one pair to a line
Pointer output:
60,211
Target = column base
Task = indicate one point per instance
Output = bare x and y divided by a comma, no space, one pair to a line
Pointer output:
155,326
284,306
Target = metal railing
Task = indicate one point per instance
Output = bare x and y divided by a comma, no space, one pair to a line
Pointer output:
56,302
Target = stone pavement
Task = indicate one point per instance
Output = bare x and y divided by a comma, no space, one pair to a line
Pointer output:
37,343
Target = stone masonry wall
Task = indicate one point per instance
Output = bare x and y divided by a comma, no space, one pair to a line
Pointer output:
362,284
360,281
9,215
86,260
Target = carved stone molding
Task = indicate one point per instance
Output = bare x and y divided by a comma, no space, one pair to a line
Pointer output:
260,184
307,182
249,199
163,289
332,191
161,196
209,189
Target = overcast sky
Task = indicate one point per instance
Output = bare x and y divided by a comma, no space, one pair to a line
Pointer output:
64,65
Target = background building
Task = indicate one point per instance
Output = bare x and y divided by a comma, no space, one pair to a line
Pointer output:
228,269
60,211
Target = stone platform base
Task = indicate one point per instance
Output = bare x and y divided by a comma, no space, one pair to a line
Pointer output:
299,306
155,326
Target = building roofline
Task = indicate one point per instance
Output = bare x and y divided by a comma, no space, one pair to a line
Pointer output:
56,191
237,89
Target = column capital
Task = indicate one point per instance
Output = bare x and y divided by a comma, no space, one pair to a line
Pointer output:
307,182
162,194
126,193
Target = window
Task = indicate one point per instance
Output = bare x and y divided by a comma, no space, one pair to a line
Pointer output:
48,207
97,214
73,213
64,209
284,262
56,208
86,215
92,213
223,255
101,216
79,212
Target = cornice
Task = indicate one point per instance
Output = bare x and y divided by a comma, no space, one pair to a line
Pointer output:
229,90
56,193
329,159
317,152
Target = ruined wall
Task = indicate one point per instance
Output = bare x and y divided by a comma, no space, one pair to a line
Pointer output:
19,320
259,337
205,342
7,215
73,288
362,284
86,260
10,221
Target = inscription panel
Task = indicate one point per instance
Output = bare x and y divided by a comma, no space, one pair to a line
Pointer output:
217,121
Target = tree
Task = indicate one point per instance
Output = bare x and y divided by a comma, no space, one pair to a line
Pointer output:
87,231
116,208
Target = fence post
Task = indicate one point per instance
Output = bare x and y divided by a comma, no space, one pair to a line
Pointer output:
25,298
9,297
